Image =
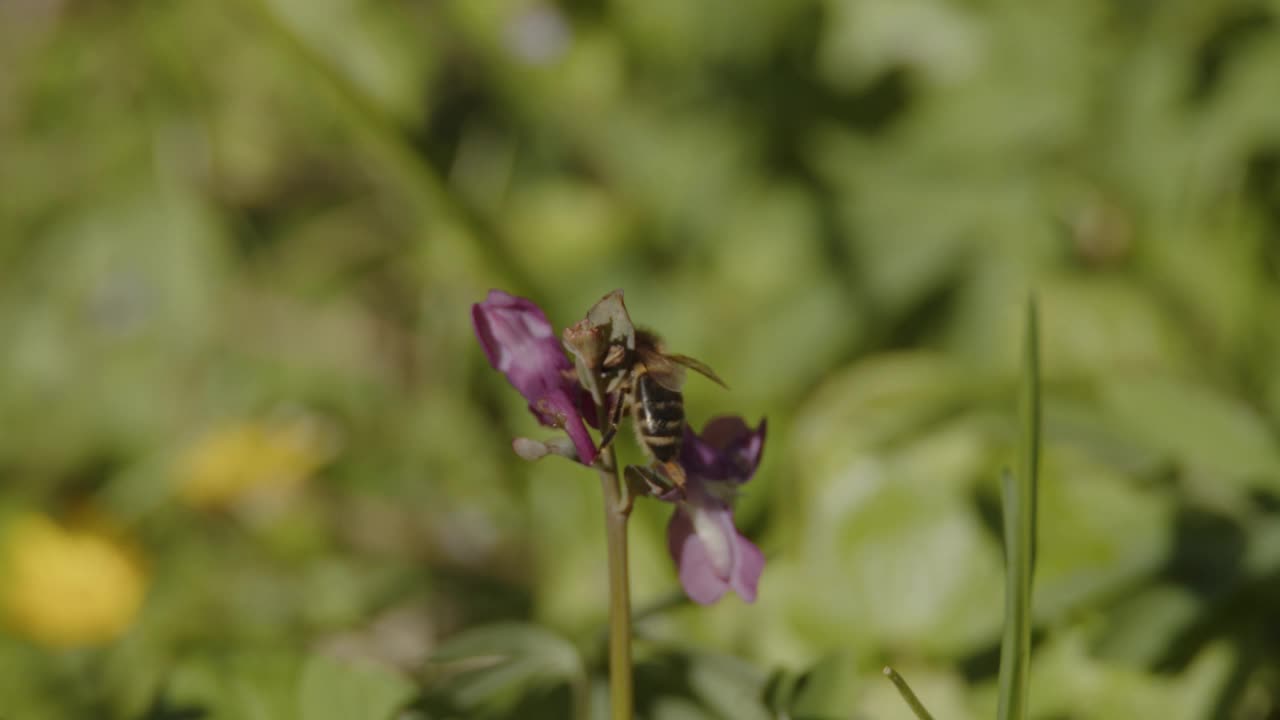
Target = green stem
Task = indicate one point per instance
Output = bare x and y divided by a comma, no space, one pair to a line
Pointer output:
615,523
905,691
616,513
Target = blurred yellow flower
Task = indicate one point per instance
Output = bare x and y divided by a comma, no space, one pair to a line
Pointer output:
69,587
251,458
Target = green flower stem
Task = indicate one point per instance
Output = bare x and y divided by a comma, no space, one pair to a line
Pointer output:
615,523
616,513
904,689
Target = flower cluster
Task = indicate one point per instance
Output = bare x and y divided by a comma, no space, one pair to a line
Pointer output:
710,553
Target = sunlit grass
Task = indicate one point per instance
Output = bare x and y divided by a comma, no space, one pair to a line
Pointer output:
1019,496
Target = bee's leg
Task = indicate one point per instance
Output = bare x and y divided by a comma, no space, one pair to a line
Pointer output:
615,419
614,357
634,484
675,473
655,480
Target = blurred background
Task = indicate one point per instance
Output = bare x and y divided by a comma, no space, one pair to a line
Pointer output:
254,464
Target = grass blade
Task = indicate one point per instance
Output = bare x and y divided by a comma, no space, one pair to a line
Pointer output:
1020,536
910,697
1030,416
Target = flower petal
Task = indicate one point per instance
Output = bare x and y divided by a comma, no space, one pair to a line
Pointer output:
518,341
726,451
747,570
563,409
698,575
712,556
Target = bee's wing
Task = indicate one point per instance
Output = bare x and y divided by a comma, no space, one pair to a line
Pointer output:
699,367
661,368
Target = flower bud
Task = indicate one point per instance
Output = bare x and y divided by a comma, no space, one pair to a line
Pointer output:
530,449
518,341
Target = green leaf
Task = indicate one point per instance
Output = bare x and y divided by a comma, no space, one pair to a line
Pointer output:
1141,628
825,691
260,687
780,691
243,685
917,568
730,687
334,689
1198,427
1105,532
1070,681
495,665
881,402
678,708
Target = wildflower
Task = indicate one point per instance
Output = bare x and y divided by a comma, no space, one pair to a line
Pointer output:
67,587
712,556
251,458
518,340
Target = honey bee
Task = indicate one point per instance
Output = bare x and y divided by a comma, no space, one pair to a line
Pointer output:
646,382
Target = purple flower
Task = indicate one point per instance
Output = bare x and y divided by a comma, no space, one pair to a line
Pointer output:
519,342
712,556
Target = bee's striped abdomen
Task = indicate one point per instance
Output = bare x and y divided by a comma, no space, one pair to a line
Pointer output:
659,415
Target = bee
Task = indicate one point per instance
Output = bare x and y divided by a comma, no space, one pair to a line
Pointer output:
646,382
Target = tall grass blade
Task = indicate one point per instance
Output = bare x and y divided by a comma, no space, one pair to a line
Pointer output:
910,697
1020,535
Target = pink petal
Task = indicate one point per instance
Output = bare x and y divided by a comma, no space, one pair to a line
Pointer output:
565,412
727,450
746,572
698,575
712,556
518,341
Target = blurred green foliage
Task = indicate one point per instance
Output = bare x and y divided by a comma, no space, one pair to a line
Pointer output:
220,214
